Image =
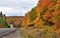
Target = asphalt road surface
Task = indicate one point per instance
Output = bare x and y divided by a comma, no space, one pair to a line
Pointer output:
6,31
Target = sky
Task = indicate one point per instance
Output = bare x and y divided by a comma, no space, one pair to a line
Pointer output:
16,7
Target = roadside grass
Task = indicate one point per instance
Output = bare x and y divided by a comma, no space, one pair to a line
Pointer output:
38,33
29,36
25,34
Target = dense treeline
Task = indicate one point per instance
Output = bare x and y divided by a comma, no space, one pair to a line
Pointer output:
46,13
3,22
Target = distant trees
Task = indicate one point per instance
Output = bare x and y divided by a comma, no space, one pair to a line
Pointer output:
19,24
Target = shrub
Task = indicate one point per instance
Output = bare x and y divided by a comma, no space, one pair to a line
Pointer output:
57,16
41,13
58,8
54,2
49,23
45,8
30,25
52,10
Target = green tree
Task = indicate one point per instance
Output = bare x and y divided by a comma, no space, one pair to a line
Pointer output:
3,22
32,14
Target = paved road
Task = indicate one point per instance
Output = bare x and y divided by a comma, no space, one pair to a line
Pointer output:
5,31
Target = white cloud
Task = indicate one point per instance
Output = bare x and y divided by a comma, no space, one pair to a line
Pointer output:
7,10
16,7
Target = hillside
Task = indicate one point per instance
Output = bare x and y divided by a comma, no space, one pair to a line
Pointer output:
15,19
45,14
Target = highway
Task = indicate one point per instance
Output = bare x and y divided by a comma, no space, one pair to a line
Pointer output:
6,31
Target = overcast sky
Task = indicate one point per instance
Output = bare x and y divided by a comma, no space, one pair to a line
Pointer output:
16,7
